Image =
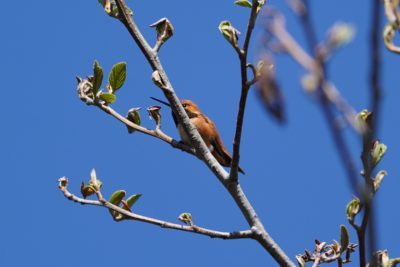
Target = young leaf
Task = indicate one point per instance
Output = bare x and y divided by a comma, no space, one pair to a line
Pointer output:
86,190
117,196
363,121
186,218
117,76
229,32
378,179
154,113
108,98
261,3
133,116
244,3
353,208
344,238
377,152
164,29
97,77
93,180
132,199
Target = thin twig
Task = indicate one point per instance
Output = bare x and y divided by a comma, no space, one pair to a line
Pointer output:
155,133
316,262
82,84
277,28
244,91
164,224
325,104
368,222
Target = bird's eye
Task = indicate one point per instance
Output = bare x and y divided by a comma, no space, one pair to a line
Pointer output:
184,105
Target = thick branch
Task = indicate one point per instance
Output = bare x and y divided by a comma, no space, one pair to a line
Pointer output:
261,235
152,57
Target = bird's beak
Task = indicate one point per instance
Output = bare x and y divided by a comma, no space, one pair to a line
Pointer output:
162,102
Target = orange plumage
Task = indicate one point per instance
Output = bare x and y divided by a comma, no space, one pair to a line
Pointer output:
207,131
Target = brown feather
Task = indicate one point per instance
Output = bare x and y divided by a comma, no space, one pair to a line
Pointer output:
208,133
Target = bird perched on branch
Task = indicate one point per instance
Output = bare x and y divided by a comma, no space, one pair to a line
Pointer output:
206,129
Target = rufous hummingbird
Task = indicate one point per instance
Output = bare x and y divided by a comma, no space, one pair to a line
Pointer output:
206,129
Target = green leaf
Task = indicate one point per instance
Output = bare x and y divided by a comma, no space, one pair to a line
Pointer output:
87,190
353,208
132,199
117,76
377,152
344,238
97,77
229,32
117,197
108,97
244,3
133,116
363,121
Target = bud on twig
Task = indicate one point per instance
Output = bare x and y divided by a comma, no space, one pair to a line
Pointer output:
164,31
133,116
154,113
340,34
377,152
353,208
230,33
156,77
186,218
378,179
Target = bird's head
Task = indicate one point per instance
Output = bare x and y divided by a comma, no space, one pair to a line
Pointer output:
190,107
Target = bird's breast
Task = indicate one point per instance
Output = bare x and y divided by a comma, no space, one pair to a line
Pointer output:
186,139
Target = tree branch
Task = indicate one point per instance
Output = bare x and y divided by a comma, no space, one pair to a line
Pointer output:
63,186
368,221
326,107
278,29
244,91
152,57
257,229
157,133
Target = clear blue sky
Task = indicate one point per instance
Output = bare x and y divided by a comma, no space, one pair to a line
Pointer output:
294,177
